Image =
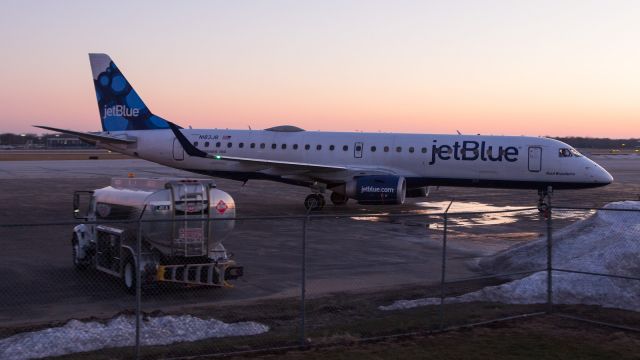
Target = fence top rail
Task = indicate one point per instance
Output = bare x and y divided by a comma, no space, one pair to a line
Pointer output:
561,208
272,217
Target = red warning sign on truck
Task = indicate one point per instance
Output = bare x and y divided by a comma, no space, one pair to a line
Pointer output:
221,207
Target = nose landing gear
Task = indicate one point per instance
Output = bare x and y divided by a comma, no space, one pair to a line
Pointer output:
544,199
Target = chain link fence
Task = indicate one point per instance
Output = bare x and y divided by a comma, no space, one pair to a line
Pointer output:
314,280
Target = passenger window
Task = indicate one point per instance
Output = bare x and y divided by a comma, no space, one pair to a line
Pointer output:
241,145
345,148
373,149
284,146
262,146
424,150
319,147
253,145
274,146
229,145
386,149
399,149
195,143
331,147
411,149
358,148
295,146
206,144
307,147
218,144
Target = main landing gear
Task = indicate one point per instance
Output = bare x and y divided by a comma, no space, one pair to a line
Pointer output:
317,202
544,199
314,202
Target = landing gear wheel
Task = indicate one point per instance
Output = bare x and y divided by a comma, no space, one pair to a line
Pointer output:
129,276
542,208
544,199
338,199
314,202
75,249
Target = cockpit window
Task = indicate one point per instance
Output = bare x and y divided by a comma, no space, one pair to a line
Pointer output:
564,152
569,152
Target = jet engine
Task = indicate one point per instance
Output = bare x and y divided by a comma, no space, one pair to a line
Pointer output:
375,189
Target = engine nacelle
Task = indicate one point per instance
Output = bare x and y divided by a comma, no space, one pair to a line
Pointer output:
376,189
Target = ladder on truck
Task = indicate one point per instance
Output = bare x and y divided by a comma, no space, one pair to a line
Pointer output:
190,200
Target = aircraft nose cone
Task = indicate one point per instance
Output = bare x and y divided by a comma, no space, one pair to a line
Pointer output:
602,176
605,177
598,174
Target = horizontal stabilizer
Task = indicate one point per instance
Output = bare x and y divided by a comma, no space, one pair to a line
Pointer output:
90,138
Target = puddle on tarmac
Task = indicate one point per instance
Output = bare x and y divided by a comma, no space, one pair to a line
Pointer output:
377,217
513,215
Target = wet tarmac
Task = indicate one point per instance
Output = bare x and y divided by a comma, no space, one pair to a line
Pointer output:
352,253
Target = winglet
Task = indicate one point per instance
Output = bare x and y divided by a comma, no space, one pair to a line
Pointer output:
186,145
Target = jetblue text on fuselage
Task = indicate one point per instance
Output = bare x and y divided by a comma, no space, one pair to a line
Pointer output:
472,151
119,110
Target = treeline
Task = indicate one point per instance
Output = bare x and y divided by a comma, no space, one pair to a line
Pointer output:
600,143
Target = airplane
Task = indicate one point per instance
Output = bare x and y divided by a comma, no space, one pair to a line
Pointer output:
371,168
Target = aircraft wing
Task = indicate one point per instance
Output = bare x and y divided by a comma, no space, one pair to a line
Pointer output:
277,163
90,138
193,151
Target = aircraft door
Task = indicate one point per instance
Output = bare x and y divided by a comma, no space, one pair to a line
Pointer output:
178,150
535,158
357,150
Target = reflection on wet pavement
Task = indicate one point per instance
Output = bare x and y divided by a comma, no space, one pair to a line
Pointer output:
493,215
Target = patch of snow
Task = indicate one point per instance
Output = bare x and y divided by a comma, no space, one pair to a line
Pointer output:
77,336
608,242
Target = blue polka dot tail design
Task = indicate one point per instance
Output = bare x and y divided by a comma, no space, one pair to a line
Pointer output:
120,106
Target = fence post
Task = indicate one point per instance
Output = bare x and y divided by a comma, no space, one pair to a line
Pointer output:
549,257
138,288
303,280
444,264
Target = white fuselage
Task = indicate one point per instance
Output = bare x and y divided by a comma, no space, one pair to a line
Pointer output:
423,159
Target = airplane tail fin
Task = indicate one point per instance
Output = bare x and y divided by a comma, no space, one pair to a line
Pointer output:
120,106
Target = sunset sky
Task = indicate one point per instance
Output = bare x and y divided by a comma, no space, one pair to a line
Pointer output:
493,67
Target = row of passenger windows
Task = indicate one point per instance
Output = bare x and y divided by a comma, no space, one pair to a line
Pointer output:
308,147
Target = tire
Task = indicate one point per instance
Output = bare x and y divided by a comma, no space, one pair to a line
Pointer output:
75,247
129,275
543,208
314,202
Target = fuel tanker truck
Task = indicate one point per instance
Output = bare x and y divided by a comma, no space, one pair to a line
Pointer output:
182,223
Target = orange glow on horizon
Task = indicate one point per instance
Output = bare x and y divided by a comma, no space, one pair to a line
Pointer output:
500,68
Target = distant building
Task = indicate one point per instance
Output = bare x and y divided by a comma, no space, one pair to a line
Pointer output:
66,142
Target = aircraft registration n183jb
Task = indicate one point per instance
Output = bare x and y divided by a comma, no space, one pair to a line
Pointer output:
371,168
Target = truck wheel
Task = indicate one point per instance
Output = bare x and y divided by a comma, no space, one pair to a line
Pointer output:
129,276
75,247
